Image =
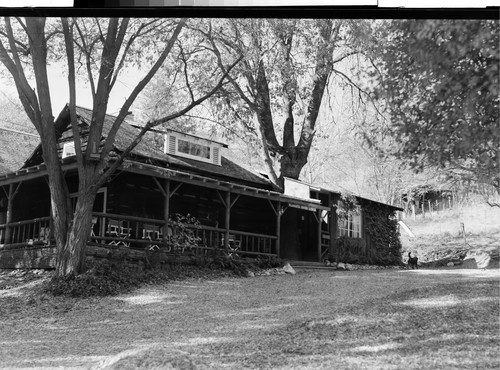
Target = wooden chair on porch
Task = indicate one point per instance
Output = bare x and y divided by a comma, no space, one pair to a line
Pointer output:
234,245
94,222
116,229
154,234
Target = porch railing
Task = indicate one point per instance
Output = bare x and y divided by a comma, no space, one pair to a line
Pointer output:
240,243
28,232
145,233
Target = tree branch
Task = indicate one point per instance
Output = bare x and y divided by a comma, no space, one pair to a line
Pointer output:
360,90
186,78
217,53
285,41
149,125
125,51
139,87
341,58
36,28
68,40
87,52
25,48
493,204
264,114
100,103
101,34
322,71
222,124
26,94
198,101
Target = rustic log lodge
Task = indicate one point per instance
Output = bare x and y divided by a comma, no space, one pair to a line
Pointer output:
237,212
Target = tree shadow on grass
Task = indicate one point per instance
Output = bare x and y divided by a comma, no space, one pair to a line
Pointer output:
450,325
454,273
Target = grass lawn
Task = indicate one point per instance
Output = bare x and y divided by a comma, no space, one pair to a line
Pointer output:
447,326
386,319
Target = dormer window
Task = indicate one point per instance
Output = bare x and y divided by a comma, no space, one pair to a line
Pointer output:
193,147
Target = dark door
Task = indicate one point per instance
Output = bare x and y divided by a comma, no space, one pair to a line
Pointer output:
308,235
299,235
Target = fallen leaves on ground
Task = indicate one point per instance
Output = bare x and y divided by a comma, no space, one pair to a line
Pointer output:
315,319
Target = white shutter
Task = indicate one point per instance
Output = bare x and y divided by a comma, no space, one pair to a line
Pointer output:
215,156
170,144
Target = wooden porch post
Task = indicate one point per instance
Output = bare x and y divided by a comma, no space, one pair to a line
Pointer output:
166,208
423,205
333,226
278,227
278,212
228,219
167,194
8,218
318,212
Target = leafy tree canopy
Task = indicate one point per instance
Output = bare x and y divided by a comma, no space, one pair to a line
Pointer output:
275,93
439,80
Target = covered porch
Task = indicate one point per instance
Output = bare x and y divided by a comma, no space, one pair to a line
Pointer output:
138,210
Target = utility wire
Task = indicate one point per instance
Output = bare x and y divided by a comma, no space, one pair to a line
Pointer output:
18,132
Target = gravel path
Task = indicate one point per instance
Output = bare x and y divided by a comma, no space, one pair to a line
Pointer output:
184,319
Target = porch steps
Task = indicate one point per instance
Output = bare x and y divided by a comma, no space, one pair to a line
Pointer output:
309,265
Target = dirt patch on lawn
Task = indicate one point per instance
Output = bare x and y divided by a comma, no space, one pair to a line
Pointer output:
221,323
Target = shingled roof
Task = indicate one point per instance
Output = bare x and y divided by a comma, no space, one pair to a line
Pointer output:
145,152
15,147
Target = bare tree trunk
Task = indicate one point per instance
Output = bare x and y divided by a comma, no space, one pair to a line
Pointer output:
71,257
292,163
60,205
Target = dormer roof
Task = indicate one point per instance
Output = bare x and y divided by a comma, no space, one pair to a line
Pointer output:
151,154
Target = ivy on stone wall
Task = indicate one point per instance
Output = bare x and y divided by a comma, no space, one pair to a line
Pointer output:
381,227
350,250
347,204
381,245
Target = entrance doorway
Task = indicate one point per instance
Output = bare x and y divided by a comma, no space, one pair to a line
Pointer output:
299,235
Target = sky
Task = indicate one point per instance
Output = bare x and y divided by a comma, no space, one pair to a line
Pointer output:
60,93
58,84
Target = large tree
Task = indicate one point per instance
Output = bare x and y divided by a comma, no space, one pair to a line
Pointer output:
276,92
101,48
439,80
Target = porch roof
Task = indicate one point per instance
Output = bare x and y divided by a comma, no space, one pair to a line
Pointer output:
39,171
187,177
